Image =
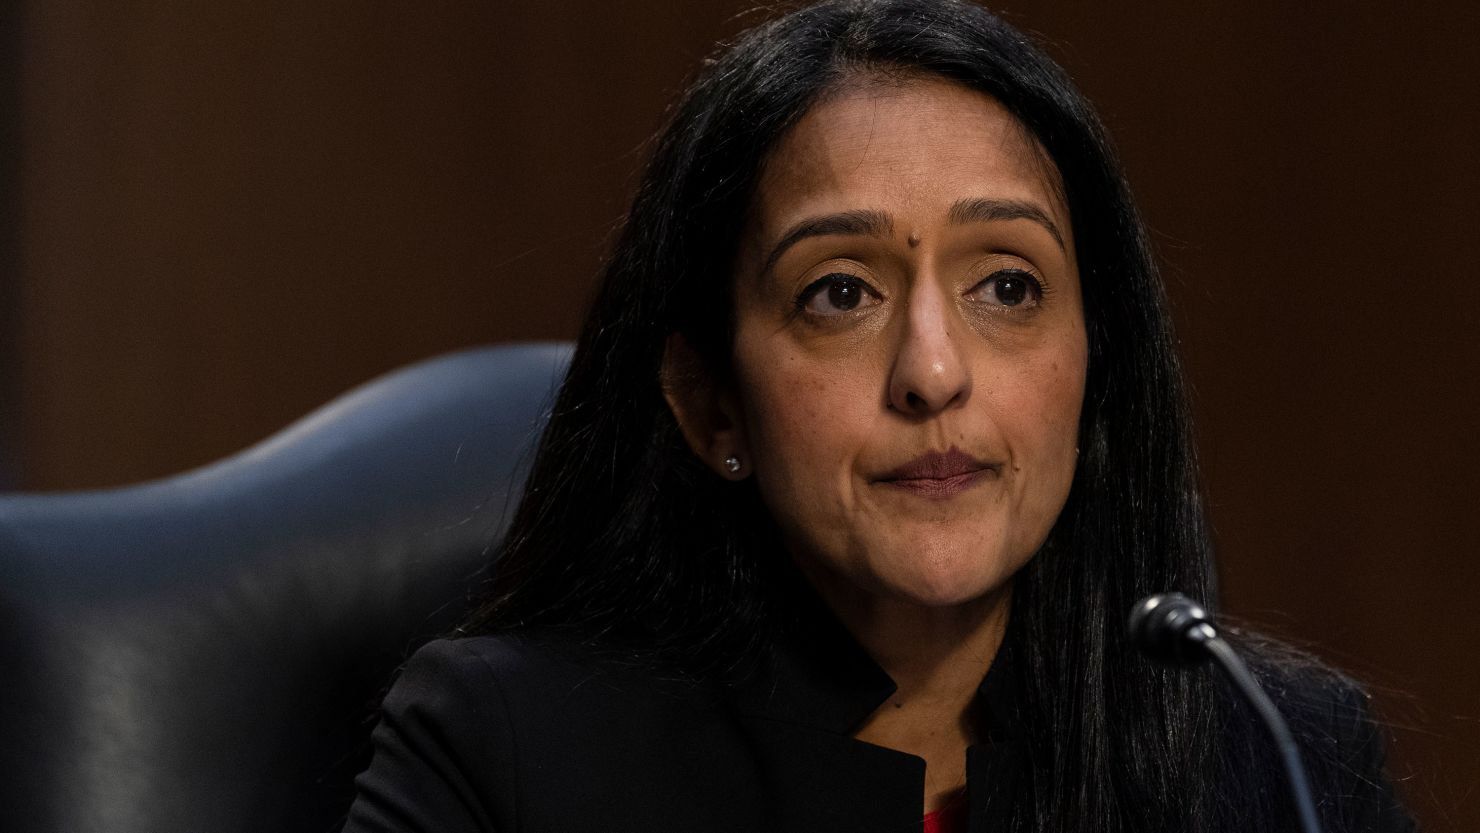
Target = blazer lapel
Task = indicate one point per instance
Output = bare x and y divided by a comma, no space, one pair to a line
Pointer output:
813,689
800,709
995,766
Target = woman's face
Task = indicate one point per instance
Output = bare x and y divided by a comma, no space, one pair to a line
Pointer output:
910,346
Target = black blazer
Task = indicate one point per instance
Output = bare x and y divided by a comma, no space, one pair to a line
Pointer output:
519,732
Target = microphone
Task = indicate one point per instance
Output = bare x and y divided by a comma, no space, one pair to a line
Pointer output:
1172,629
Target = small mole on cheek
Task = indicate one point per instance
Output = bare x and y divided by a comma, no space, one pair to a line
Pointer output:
914,239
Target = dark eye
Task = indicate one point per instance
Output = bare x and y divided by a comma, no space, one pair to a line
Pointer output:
1009,288
836,294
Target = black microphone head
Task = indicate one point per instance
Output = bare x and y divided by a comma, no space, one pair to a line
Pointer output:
1171,628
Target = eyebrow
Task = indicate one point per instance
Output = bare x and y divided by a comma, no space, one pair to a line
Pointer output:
874,223
982,210
867,222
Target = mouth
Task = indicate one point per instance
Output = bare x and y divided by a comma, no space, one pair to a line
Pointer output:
939,474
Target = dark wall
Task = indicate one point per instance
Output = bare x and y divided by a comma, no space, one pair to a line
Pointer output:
10,165
230,212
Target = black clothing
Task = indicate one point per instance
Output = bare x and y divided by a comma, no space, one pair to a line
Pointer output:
522,732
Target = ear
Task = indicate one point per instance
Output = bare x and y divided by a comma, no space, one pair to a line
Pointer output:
708,412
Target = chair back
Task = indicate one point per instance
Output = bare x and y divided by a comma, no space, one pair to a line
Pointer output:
204,653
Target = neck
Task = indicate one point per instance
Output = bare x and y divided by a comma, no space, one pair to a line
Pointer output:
933,654
937,657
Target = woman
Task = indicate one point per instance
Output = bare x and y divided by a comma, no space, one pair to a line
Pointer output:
873,436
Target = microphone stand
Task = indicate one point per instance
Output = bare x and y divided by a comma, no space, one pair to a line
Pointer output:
1174,629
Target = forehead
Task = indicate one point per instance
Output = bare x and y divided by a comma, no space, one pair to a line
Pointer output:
911,146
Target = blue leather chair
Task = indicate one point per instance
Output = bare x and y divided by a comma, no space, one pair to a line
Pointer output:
205,653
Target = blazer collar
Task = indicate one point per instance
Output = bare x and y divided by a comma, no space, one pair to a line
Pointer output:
815,674
814,687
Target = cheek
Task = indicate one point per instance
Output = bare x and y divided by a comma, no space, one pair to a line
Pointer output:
1046,398
799,411
1039,406
806,420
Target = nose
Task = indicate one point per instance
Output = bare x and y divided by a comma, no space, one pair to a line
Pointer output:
930,372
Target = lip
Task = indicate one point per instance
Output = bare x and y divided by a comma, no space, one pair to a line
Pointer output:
939,474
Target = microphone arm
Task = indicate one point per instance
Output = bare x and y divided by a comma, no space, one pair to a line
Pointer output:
1173,629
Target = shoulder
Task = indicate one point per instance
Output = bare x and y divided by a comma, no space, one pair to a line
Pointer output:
445,750
478,733
549,692
1330,712
1342,743
548,668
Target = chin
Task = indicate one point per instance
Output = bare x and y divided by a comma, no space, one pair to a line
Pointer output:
947,596
947,580
947,565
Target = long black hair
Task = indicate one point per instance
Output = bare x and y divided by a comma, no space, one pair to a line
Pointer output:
623,535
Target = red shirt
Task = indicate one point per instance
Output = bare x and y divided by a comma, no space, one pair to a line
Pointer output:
950,818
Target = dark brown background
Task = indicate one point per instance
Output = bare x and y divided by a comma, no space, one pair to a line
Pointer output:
229,212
